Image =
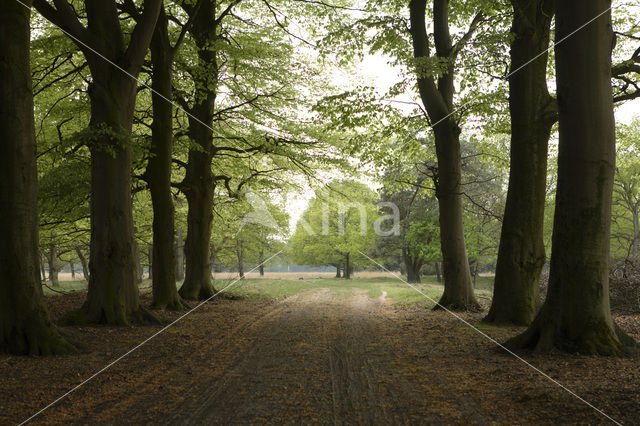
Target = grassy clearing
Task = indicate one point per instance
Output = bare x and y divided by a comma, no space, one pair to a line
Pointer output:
81,286
276,289
396,290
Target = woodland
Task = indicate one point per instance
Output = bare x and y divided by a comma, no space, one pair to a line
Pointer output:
155,153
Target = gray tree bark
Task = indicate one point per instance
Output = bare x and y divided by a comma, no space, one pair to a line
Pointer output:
112,296
25,327
521,255
54,265
198,184
179,254
576,316
438,101
158,173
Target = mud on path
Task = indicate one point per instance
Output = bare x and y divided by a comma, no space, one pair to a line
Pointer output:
319,357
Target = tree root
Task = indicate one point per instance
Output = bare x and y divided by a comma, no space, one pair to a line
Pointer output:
546,335
83,316
175,304
458,305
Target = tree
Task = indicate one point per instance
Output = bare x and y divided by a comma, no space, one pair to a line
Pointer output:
625,232
158,172
437,98
247,228
417,241
25,327
576,316
199,184
336,227
533,113
113,295
242,99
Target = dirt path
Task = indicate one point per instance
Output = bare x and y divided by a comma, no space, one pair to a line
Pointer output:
320,357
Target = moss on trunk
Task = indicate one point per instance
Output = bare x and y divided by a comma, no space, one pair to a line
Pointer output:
25,327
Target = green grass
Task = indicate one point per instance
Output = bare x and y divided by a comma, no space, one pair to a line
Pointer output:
277,289
396,290
81,285
262,288
65,287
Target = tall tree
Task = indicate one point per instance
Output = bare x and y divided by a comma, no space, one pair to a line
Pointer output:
113,294
576,315
533,113
437,97
158,173
25,327
199,183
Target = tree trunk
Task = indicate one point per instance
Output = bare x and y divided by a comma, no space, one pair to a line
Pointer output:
458,293
198,184
438,102
261,260
151,260
240,254
25,327
139,268
438,276
413,267
42,268
112,296
179,254
576,316
54,265
475,274
212,260
347,267
338,271
163,270
83,262
521,254
197,282
73,269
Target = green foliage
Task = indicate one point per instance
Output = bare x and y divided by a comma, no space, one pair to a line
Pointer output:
338,222
625,229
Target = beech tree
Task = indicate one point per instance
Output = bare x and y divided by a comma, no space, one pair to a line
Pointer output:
242,93
576,316
533,113
25,327
437,97
113,295
158,172
336,227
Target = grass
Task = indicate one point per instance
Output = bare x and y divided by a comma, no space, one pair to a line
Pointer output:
81,286
395,289
65,287
277,289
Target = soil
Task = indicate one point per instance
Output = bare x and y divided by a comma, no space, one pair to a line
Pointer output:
319,357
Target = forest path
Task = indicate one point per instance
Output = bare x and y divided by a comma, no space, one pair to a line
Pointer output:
322,356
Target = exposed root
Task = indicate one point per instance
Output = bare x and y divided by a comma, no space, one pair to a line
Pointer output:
545,335
36,340
458,305
175,304
83,316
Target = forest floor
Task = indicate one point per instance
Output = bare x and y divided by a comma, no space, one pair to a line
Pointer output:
315,352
